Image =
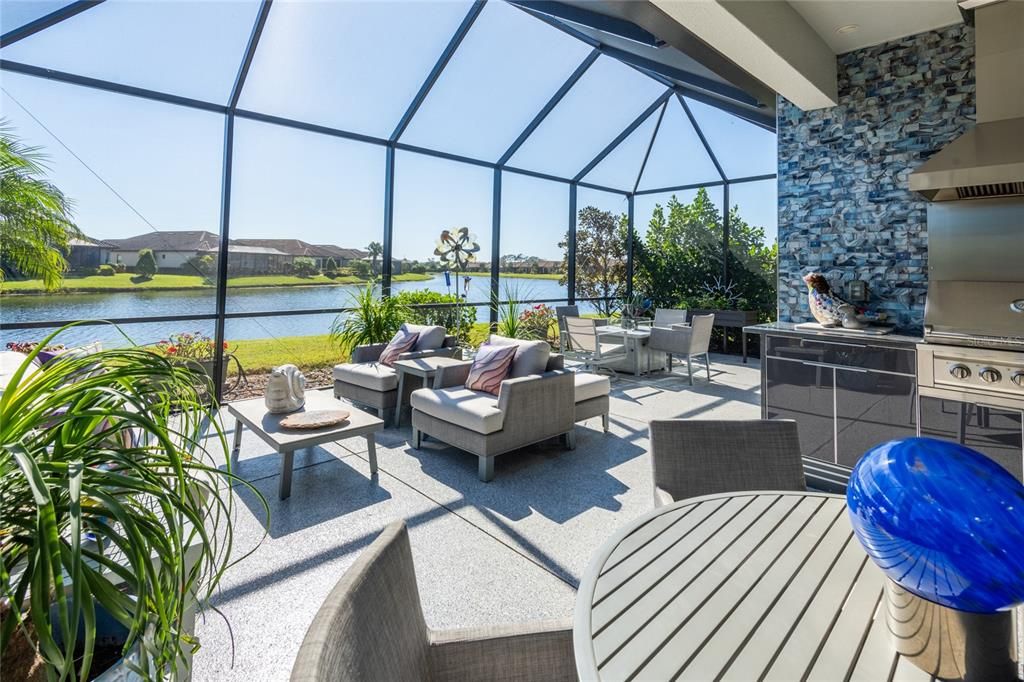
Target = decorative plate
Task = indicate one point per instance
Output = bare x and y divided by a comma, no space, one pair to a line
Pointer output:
314,419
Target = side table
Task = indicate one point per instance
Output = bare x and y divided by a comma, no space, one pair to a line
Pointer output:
425,369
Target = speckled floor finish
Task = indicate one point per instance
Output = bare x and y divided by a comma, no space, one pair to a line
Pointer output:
510,550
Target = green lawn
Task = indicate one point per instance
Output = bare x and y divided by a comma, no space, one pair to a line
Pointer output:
262,355
129,282
518,275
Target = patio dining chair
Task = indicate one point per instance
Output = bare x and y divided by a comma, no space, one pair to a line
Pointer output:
666,317
562,312
689,342
693,457
371,627
587,347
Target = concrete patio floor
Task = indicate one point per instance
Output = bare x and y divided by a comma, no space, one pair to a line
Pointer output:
510,550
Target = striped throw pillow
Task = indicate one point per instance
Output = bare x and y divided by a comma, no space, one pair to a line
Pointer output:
402,342
490,367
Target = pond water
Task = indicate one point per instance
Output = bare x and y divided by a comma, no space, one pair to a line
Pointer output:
141,305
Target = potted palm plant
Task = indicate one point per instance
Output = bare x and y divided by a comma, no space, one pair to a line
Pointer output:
113,507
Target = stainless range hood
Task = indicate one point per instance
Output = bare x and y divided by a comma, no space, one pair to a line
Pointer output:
988,160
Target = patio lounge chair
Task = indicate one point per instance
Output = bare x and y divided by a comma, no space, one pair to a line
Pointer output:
692,341
371,628
694,457
530,407
587,346
367,382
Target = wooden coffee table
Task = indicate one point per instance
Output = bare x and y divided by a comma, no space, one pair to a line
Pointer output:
253,413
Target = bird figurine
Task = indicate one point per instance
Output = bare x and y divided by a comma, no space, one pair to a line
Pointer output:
827,308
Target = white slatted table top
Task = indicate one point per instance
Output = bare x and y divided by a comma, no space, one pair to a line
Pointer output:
742,586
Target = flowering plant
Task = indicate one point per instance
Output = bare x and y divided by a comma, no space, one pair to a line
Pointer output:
188,346
27,347
538,320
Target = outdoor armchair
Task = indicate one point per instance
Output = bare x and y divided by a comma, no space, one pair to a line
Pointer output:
679,340
365,381
693,457
527,410
562,312
371,628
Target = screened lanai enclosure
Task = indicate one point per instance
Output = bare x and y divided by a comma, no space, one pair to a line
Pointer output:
274,157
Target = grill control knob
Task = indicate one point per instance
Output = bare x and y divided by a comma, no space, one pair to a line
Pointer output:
989,375
960,371
1018,379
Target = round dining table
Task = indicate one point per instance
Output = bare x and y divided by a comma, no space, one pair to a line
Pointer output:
737,586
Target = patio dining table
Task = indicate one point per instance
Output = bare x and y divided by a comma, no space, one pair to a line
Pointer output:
739,586
633,340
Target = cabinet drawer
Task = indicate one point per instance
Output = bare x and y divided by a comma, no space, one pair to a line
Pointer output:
843,354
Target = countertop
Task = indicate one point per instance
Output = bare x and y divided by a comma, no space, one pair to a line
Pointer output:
789,329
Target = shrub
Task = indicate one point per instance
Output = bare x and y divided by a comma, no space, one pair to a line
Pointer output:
205,265
304,267
105,270
361,268
120,267
330,266
439,309
146,265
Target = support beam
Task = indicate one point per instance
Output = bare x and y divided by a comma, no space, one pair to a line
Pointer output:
767,39
630,237
650,146
108,86
700,134
596,20
570,274
250,52
495,244
753,97
389,220
644,115
45,22
552,103
222,255
435,73
725,234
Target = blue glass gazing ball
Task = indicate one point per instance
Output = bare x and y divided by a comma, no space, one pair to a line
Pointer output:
943,521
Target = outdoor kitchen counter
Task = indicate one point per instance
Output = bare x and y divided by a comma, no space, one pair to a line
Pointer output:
789,329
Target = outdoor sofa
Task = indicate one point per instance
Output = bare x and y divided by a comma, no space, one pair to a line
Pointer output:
365,381
539,400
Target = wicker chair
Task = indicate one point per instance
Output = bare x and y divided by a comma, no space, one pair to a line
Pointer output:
689,342
701,457
371,628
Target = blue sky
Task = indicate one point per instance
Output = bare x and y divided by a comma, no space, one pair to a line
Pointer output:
352,65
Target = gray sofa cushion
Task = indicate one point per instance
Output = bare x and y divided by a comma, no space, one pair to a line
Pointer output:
531,356
591,386
473,410
371,375
430,337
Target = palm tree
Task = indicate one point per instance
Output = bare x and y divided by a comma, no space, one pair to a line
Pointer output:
35,217
375,250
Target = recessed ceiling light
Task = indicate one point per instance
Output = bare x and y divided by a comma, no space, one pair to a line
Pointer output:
848,28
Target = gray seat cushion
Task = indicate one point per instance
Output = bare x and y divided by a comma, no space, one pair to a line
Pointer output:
591,386
531,356
371,375
473,410
430,337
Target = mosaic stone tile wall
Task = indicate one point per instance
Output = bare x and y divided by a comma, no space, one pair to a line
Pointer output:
844,206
